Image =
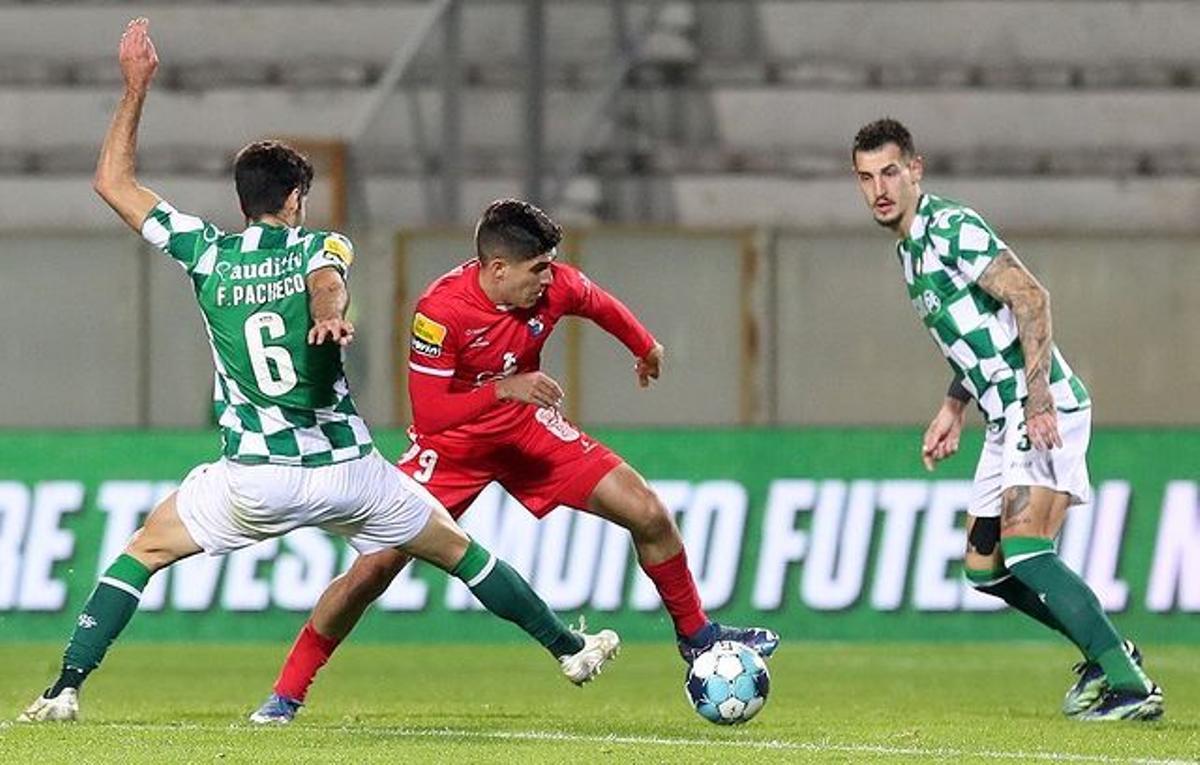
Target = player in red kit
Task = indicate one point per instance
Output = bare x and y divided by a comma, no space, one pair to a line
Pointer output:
483,412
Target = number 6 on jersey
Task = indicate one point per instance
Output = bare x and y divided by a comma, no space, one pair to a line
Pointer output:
262,355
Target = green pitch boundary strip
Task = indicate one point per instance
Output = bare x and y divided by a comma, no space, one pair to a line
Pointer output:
812,747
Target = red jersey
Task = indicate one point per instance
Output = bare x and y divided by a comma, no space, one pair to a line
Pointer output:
462,343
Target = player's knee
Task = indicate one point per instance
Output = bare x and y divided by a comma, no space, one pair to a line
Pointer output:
650,521
150,551
984,537
370,575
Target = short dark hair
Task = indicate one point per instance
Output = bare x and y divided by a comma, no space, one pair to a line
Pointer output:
515,230
265,172
880,133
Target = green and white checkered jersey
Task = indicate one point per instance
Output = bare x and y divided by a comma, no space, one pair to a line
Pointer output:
947,249
278,399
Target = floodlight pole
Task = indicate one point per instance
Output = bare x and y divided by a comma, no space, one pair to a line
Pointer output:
592,118
452,133
535,101
373,102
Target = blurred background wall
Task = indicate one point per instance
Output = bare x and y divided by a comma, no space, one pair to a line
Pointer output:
697,151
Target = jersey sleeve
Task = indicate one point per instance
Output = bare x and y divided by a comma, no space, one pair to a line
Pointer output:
973,245
330,249
433,345
437,407
433,351
587,299
186,238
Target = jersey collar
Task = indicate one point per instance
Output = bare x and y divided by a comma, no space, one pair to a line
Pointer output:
920,221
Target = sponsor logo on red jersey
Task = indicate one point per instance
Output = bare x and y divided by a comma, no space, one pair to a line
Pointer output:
427,336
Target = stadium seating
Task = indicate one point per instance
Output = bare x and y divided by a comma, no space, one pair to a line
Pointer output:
730,96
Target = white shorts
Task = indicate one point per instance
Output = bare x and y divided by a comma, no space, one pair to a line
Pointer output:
1003,465
225,505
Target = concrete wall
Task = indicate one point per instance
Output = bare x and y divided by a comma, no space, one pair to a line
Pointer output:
849,348
784,327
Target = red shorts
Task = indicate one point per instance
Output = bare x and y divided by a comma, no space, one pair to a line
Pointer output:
544,461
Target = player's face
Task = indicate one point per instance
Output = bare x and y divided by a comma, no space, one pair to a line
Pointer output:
890,183
524,281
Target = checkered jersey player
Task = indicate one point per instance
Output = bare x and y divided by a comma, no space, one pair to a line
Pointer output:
483,411
296,453
991,319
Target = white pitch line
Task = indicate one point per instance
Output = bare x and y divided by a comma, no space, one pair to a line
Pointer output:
767,744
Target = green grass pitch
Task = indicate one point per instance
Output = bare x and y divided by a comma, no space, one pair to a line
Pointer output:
411,703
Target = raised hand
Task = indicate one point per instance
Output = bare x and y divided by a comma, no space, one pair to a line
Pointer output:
137,56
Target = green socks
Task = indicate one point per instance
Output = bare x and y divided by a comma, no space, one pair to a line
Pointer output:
105,614
1034,561
503,592
1002,584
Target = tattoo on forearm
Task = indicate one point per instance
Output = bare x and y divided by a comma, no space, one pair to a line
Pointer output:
1014,505
1010,282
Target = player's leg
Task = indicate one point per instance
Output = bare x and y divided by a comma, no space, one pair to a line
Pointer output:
623,497
1030,518
985,571
506,594
347,597
339,608
161,541
983,566
575,470
382,507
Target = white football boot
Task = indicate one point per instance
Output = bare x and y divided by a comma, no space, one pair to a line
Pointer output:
62,708
584,665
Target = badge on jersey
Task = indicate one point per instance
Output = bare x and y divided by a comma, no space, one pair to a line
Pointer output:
339,249
427,336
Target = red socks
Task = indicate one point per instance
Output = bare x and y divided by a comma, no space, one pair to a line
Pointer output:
309,653
672,578
678,592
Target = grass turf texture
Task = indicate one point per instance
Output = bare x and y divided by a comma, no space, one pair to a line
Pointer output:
852,703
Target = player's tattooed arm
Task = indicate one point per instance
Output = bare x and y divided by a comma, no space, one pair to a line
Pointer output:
1007,280
327,302
116,180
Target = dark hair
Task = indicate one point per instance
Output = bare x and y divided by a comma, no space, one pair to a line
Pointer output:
265,172
880,133
515,230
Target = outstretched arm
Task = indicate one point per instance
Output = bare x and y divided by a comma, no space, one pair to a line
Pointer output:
1007,280
115,179
615,318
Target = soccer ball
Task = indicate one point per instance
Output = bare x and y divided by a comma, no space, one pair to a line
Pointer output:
728,683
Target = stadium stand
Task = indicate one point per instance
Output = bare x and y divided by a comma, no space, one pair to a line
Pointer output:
732,105
737,114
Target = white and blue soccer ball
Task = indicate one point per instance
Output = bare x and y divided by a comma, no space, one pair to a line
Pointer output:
728,684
